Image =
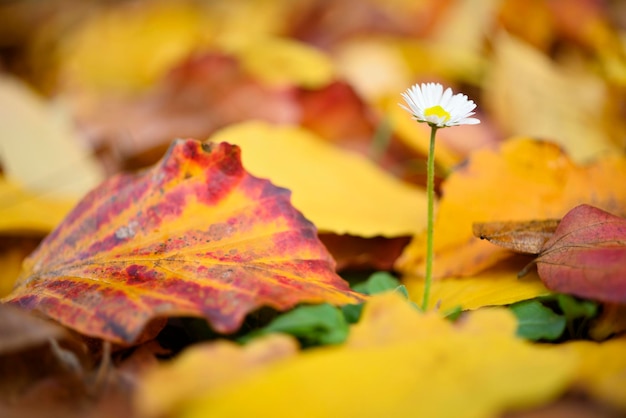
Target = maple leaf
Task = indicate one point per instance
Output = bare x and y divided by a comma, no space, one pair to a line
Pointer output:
585,256
195,235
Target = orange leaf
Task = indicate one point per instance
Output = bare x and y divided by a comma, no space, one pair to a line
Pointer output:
526,179
195,235
585,256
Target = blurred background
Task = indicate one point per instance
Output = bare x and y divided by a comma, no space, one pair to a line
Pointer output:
126,77
90,88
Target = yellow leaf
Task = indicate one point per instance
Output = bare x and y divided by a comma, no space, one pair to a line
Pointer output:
375,66
529,95
282,61
22,211
339,191
462,28
495,286
40,150
205,367
525,180
472,370
12,252
602,369
129,47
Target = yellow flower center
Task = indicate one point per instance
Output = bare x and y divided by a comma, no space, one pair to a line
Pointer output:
438,111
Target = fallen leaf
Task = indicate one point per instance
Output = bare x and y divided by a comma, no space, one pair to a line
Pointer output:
24,211
347,194
601,369
199,95
612,321
71,396
400,362
523,237
127,48
13,251
340,20
41,151
527,94
195,235
338,114
495,286
285,62
358,253
205,367
33,349
585,256
525,179
21,330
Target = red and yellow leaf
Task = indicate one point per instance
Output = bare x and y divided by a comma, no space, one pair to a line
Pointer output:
585,256
194,235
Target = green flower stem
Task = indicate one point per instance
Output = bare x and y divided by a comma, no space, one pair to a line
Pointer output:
430,193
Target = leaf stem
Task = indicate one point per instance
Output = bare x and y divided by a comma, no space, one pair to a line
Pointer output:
430,193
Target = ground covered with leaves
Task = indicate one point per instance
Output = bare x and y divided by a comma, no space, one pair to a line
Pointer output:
218,208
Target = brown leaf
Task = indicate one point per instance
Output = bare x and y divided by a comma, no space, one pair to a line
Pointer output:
21,330
523,237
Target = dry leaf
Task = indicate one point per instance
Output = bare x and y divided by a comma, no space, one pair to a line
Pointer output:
526,237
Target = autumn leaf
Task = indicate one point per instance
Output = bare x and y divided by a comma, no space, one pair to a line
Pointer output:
601,369
21,330
194,235
197,96
498,285
41,149
400,362
585,256
522,237
205,367
528,94
347,195
525,179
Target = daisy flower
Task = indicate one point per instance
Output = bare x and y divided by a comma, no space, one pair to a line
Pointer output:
429,103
